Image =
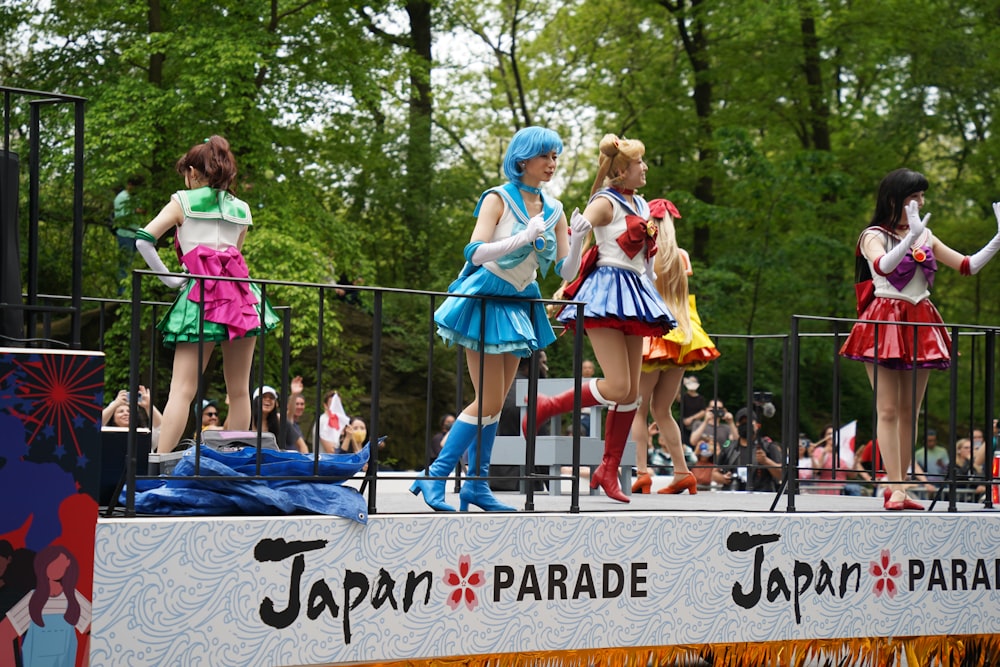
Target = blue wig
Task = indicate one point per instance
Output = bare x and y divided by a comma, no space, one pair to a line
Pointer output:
526,144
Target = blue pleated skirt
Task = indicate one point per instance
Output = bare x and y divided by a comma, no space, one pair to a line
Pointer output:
620,299
512,325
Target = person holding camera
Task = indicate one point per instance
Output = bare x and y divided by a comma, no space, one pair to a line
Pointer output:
715,421
751,462
705,471
117,411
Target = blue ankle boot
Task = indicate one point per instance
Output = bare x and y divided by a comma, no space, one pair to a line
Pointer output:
462,432
477,491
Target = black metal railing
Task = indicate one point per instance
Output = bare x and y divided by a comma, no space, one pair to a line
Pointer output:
10,272
968,344
779,372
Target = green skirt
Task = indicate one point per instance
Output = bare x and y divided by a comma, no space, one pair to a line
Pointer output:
181,322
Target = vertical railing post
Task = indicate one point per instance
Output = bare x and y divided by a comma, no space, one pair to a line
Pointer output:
376,389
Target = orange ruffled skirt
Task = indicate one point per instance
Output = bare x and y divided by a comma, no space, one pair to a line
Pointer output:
670,351
897,348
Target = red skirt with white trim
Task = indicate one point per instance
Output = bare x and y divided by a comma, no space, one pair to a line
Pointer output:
891,344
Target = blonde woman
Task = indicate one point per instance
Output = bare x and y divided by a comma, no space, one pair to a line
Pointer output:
665,359
622,307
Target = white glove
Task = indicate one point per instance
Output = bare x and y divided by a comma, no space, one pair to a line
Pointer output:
148,252
892,258
980,259
488,252
917,226
650,271
579,227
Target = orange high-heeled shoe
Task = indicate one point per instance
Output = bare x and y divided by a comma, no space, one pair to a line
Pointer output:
899,505
685,483
643,483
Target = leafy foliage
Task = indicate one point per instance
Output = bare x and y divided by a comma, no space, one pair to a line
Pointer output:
365,134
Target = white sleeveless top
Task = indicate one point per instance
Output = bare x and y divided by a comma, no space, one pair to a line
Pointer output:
213,232
916,290
609,252
524,273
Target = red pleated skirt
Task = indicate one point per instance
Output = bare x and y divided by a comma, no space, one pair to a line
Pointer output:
900,347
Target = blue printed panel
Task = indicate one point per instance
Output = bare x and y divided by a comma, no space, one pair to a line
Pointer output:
50,467
316,590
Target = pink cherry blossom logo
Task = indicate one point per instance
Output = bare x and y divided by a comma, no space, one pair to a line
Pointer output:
463,583
885,572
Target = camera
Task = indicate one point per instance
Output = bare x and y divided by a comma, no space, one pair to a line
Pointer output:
765,400
718,412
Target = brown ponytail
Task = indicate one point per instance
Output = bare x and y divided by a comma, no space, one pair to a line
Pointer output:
214,159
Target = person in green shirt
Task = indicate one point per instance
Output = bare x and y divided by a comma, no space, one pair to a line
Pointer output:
126,220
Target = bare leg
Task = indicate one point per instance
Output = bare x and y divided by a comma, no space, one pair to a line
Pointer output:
183,387
498,376
237,360
897,414
640,427
498,372
620,358
663,396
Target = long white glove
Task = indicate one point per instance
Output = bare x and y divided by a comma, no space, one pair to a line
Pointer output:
650,268
980,259
891,259
487,252
148,252
579,227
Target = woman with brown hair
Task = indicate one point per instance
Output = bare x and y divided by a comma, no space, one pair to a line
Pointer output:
211,224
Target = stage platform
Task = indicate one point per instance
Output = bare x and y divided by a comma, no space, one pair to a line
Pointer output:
393,497
658,580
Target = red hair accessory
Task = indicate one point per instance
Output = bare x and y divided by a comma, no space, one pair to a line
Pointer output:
658,208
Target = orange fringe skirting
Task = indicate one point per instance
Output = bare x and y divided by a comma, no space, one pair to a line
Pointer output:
929,651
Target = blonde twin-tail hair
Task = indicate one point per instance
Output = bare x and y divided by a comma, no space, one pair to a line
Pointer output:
671,275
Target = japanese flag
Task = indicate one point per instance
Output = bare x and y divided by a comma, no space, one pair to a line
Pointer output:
848,432
334,421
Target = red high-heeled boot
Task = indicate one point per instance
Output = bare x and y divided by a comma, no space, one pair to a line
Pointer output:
548,407
616,432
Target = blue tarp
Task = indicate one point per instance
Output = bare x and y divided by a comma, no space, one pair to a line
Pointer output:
204,496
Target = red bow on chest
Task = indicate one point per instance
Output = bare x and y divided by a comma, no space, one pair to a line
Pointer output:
639,234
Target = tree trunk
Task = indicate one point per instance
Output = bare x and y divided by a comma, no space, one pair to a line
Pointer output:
156,60
419,156
819,112
692,32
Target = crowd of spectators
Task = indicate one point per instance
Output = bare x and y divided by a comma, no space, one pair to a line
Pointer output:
724,451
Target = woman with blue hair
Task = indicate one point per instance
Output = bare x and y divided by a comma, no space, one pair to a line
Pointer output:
519,231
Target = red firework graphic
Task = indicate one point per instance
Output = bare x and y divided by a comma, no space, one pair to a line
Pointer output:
55,396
